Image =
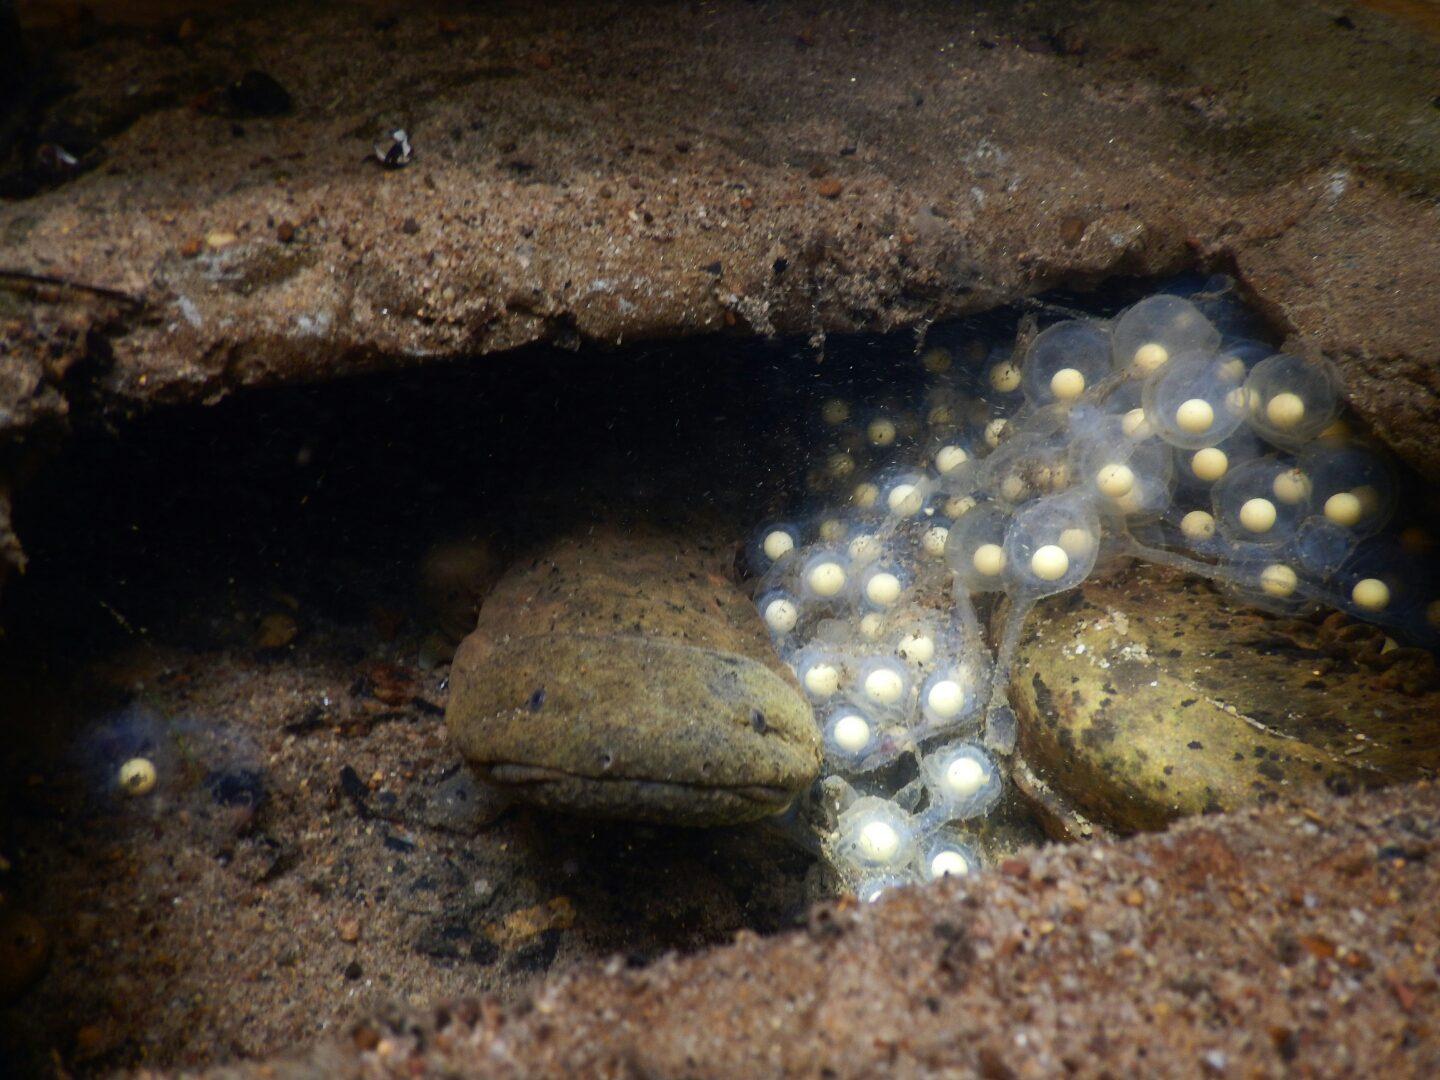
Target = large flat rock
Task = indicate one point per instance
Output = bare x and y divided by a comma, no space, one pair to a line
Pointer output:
606,172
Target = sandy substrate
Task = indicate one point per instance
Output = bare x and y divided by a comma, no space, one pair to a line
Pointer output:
1270,943
314,850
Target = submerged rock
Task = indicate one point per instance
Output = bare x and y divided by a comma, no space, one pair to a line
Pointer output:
620,673
1147,697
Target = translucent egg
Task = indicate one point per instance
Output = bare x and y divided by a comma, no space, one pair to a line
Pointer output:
1051,545
975,548
1383,583
1371,594
1279,580
1129,478
949,457
995,431
1189,401
864,548
780,611
840,464
917,646
138,776
936,360
820,671
1197,526
870,889
884,585
949,695
882,431
771,543
1291,400
884,683
1321,546
904,494
962,780
849,733
1004,376
874,833
872,626
1136,424
1197,470
1065,360
1291,486
1149,334
825,575
946,855
1353,486
957,506
865,495
1246,508
933,538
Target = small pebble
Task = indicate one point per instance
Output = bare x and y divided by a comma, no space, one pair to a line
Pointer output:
1072,230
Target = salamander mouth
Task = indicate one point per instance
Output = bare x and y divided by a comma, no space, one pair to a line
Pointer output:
679,802
513,774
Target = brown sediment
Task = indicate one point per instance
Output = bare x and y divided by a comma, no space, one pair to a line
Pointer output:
1258,943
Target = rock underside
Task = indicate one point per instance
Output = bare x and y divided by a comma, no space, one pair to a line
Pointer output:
600,173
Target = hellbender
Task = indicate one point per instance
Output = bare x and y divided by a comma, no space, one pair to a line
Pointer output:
618,672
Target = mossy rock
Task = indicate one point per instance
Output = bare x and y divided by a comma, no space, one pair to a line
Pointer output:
1148,696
